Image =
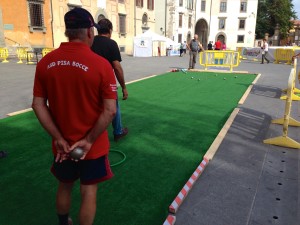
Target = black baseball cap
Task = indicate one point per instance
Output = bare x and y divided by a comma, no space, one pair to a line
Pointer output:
79,18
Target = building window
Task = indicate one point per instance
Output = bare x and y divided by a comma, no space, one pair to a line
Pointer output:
243,6
150,4
180,3
145,19
179,38
121,1
139,3
222,23
36,15
190,4
242,23
223,6
122,48
122,24
240,39
180,19
203,5
190,21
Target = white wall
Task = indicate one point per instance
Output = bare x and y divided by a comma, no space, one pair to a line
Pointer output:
232,16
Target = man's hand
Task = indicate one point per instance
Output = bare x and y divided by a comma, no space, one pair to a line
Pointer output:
125,93
62,148
84,144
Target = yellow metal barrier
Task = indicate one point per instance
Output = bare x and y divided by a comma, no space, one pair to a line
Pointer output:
45,51
284,55
21,54
294,90
29,57
228,59
284,140
4,55
240,51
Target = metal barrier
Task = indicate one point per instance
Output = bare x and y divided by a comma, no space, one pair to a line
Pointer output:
287,120
228,59
4,55
284,55
294,90
30,55
21,54
240,51
45,51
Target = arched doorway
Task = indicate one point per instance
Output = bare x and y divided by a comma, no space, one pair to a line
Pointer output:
101,14
201,29
100,17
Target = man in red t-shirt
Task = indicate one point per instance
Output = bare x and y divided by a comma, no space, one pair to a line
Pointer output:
218,45
80,89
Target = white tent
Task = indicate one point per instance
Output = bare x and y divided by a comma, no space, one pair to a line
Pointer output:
149,44
173,47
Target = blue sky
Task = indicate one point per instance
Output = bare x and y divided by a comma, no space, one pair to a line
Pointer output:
297,7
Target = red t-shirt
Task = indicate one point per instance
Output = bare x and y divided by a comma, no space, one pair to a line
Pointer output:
218,45
75,81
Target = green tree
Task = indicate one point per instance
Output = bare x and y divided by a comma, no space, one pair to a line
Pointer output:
272,12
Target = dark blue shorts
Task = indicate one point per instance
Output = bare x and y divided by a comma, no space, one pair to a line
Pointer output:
90,171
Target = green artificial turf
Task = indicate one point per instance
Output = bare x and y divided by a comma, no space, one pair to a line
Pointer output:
172,120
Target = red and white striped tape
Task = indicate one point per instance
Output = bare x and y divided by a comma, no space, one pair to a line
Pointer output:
187,187
170,220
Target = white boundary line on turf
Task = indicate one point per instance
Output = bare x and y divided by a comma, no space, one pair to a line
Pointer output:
245,95
218,140
19,112
256,79
144,78
30,109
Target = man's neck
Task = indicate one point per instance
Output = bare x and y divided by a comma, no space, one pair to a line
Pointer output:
104,35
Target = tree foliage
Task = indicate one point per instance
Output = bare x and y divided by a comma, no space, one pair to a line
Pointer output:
272,12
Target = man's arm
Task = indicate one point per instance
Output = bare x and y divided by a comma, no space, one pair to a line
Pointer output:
188,46
100,126
296,56
43,114
200,46
120,77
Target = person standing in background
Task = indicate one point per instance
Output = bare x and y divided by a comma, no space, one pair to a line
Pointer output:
218,45
106,47
194,47
209,46
181,49
264,53
184,47
224,46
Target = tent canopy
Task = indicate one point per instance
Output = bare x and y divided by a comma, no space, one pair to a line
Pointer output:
149,44
152,35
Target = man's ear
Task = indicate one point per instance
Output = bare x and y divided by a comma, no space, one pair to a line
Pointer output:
90,32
